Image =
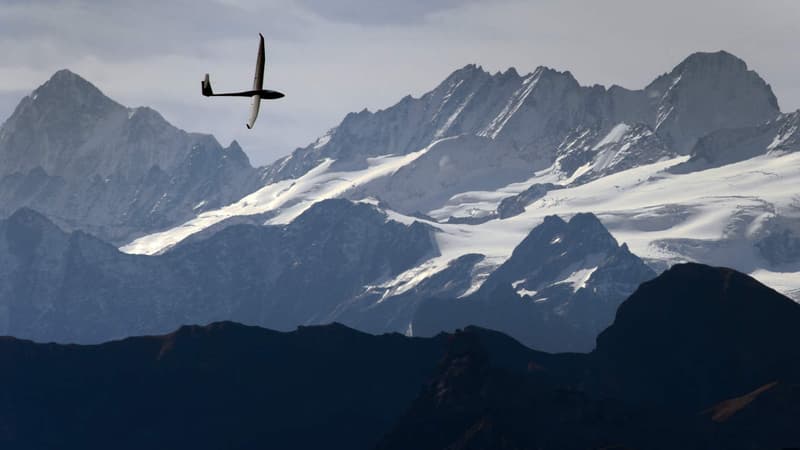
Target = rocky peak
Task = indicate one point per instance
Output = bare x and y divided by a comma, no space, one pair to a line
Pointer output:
68,92
707,92
558,253
89,163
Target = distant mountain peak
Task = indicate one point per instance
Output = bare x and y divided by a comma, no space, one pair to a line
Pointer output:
66,90
88,162
66,77
718,58
707,92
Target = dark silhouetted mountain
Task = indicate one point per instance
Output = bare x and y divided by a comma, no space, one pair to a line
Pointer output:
698,358
705,333
560,287
223,386
92,164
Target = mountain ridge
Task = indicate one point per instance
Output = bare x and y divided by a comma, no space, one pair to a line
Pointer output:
90,163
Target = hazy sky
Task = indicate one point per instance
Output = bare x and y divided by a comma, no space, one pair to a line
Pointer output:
331,57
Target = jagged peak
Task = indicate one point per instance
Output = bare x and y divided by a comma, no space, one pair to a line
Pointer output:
553,220
700,65
586,219
146,116
66,76
581,227
233,146
66,80
67,93
467,72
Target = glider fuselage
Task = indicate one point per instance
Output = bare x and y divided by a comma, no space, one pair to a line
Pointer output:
256,94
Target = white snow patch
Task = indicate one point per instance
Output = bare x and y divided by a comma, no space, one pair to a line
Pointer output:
288,198
517,100
579,278
615,135
780,138
323,139
449,122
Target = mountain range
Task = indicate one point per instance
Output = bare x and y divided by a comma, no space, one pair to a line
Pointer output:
695,166
525,203
325,266
696,358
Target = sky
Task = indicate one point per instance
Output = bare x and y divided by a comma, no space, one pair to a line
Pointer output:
332,57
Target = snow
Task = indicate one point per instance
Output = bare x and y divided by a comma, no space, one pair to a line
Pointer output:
514,104
646,207
525,292
707,216
441,132
614,136
288,198
319,143
579,278
781,138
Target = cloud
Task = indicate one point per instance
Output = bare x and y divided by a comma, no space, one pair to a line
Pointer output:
333,57
371,12
47,31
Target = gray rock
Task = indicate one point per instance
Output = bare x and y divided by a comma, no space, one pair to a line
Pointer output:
90,163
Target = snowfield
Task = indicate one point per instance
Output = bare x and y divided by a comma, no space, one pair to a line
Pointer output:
712,216
287,199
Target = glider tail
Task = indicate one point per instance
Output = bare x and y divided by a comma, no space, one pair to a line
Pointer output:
207,87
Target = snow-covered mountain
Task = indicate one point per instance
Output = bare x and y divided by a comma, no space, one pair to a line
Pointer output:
557,291
435,197
697,166
533,114
90,163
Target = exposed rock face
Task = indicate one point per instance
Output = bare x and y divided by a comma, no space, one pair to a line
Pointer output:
64,287
90,163
732,97
560,287
728,146
538,115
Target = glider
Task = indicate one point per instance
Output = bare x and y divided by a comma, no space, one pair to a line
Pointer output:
258,92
